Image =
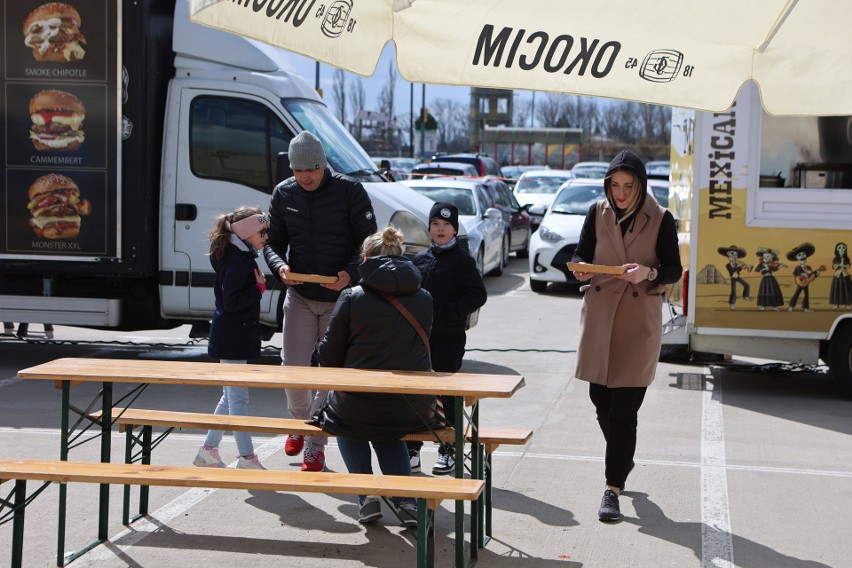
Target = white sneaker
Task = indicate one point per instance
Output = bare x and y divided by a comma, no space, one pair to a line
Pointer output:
208,458
445,465
249,463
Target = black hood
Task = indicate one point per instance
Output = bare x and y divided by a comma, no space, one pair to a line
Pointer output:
395,275
627,160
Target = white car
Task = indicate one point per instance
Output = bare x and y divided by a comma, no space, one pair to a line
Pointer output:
442,169
539,187
590,170
553,245
486,228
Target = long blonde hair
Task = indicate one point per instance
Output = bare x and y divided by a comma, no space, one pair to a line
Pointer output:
220,234
388,241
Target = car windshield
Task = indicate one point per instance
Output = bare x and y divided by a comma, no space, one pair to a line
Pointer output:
548,184
589,172
343,152
461,198
403,164
576,199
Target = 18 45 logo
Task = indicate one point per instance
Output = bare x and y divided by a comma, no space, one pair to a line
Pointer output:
661,66
336,18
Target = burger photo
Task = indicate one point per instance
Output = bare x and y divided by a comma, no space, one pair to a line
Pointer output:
52,31
56,207
57,121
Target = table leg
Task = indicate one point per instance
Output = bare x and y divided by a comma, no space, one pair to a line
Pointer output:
459,426
18,523
476,472
63,488
106,446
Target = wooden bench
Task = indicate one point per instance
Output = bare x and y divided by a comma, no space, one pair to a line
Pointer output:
468,388
129,418
428,492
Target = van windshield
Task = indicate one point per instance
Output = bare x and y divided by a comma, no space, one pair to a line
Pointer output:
344,154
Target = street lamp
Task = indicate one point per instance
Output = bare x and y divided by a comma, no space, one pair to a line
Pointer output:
423,125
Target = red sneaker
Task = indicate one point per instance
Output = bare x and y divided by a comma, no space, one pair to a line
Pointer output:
314,460
294,445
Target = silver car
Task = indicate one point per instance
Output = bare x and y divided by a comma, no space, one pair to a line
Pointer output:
487,230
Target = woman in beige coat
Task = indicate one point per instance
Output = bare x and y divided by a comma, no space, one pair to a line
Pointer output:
620,321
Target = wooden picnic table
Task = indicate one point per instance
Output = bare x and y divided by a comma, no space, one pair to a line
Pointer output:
469,387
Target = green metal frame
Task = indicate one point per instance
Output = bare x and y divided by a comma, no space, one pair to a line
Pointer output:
480,468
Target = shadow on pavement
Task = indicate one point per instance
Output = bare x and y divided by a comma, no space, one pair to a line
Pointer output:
652,521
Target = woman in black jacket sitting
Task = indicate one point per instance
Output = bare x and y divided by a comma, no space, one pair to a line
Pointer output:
368,332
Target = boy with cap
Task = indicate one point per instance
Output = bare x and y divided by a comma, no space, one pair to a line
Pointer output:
451,276
319,220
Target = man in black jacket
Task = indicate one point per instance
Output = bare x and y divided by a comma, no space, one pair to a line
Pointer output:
318,221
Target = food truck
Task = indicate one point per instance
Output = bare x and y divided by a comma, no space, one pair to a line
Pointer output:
126,129
764,212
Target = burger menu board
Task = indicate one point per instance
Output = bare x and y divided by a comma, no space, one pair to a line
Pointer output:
58,129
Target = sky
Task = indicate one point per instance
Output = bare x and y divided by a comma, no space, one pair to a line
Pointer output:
373,85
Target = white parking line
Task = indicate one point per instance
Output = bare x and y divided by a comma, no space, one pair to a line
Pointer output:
716,544
142,528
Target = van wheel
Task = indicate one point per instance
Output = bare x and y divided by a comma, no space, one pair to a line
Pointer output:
480,262
840,359
538,285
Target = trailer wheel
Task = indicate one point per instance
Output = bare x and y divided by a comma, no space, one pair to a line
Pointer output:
840,359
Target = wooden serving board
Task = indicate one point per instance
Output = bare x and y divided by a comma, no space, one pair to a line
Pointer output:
311,278
596,268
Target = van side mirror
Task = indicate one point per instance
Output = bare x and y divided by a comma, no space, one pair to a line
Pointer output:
282,168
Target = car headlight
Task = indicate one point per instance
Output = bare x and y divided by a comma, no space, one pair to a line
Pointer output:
416,233
549,236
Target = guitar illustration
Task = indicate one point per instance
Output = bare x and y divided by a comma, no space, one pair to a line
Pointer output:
804,279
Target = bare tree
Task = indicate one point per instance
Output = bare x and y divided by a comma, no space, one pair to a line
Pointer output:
522,111
453,119
357,100
549,110
386,104
339,92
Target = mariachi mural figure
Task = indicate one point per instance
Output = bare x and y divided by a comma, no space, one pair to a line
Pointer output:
735,266
803,274
841,285
769,294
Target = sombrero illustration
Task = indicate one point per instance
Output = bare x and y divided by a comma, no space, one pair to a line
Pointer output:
733,248
807,248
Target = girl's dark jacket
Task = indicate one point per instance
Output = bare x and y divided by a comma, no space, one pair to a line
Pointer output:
234,333
368,332
452,278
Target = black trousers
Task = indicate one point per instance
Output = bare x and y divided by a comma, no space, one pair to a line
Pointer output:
617,412
447,356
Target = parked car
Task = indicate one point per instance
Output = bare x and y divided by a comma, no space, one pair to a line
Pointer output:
539,187
511,174
553,245
400,167
659,169
520,228
443,169
485,165
590,170
487,230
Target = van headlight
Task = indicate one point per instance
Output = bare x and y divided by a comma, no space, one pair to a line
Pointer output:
416,233
548,236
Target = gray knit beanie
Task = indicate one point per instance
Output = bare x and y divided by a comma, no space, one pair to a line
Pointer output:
306,152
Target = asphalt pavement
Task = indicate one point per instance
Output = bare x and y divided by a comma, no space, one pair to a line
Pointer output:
738,464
